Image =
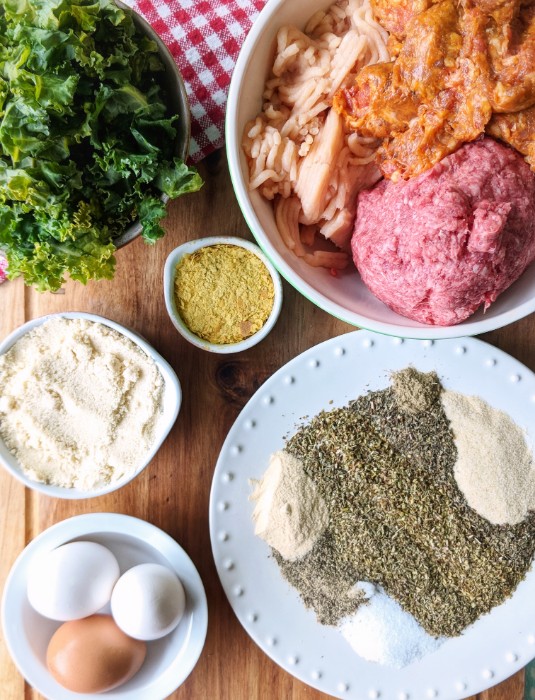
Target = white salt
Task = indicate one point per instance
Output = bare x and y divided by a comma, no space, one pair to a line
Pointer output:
381,631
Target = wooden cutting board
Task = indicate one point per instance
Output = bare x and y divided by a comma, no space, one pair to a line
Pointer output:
173,491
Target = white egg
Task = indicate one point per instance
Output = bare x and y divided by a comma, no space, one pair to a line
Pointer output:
148,601
72,581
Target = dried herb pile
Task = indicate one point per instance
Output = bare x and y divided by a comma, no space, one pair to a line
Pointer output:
384,465
325,581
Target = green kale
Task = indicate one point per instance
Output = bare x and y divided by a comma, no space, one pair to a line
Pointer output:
86,141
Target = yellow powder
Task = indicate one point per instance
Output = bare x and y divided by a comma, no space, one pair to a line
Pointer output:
224,293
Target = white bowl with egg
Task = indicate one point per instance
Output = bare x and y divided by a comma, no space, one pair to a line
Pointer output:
169,660
170,406
190,247
345,295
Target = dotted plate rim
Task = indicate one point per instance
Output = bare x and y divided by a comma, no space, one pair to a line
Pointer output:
323,377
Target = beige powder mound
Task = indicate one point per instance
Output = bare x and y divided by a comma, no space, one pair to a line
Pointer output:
494,468
289,514
79,403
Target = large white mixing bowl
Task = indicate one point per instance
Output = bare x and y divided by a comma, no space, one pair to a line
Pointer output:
345,296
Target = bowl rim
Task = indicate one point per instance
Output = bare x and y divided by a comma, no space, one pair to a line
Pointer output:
189,247
171,384
101,523
241,191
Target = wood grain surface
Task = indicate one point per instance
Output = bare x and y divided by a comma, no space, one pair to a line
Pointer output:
173,492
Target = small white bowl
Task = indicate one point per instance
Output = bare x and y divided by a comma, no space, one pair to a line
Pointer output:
169,660
172,398
169,282
344,296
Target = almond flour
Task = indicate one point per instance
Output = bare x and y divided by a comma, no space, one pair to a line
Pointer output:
80,404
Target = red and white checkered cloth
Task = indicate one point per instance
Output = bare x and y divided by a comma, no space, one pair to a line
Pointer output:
205,37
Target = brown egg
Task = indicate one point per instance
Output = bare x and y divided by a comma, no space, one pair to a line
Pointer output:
93,655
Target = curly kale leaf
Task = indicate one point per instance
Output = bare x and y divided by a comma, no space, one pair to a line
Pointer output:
86,140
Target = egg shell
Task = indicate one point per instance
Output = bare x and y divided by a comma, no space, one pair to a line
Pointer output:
72,581
148,601
93,655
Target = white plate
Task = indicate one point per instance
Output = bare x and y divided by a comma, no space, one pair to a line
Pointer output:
337,371
169,660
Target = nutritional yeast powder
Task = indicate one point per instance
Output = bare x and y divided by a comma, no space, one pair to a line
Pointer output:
223,293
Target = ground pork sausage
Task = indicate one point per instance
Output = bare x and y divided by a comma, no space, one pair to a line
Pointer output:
436,247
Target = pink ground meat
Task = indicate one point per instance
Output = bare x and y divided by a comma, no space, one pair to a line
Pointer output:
436,247
3,268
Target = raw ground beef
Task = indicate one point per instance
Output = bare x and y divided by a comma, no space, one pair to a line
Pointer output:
436,247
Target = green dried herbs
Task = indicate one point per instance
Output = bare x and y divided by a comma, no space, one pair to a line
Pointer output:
384,465
415,391
325,581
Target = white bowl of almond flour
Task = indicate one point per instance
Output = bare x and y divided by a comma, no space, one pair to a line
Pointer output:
85,404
